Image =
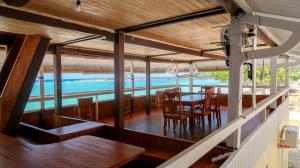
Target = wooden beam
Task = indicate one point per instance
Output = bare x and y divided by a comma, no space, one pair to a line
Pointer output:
169,47
10,60
53,22
148,87
20,82
57,82
17,3
79,52
173,20
119,79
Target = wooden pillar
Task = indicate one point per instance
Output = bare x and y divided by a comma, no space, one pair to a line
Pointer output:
42,95
57,81
119,79
132,77
148,87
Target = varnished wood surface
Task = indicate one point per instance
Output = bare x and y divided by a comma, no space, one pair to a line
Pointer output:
113,15
17,77
81,152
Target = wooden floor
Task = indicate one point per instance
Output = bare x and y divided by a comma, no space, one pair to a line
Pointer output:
153,124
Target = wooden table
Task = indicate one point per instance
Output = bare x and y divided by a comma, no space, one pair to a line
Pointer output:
192,101
81,152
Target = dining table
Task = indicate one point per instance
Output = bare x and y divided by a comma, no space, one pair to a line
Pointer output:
81,152
192,100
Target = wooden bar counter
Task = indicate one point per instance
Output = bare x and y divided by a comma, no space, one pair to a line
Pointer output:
83,152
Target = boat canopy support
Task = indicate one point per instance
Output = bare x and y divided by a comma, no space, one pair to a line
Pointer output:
238,57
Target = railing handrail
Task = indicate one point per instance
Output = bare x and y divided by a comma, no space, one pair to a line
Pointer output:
193,153
93,93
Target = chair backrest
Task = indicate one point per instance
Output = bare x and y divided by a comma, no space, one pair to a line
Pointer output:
128,103
170,104
85,108
168,90
158,96
217,98
204,88
208,98
176,90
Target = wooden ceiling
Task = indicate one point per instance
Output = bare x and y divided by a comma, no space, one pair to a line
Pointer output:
117,14
111,15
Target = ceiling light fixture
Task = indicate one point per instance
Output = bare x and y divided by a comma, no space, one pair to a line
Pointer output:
78,6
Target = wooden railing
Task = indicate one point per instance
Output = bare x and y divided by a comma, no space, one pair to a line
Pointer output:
190,155
95,93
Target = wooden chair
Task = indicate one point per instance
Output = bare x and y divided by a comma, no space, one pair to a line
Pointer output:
172,110
156,100
128,104
168,90
204,88
216,106
205,109
85,109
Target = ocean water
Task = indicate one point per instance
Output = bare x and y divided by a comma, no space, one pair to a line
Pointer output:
76,83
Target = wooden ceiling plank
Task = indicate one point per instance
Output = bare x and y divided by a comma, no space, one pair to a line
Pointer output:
53,22
173,20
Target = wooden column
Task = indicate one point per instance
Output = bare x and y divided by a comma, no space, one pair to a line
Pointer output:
57,81
132,77
42,95
148,87
119,79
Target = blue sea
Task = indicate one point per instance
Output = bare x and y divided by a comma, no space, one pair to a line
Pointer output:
77,82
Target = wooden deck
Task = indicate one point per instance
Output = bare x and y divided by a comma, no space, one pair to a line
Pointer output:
153,124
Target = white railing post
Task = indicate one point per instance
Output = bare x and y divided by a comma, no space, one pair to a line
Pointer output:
287,75
235,79
191,79
273,82
177,79
254,44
